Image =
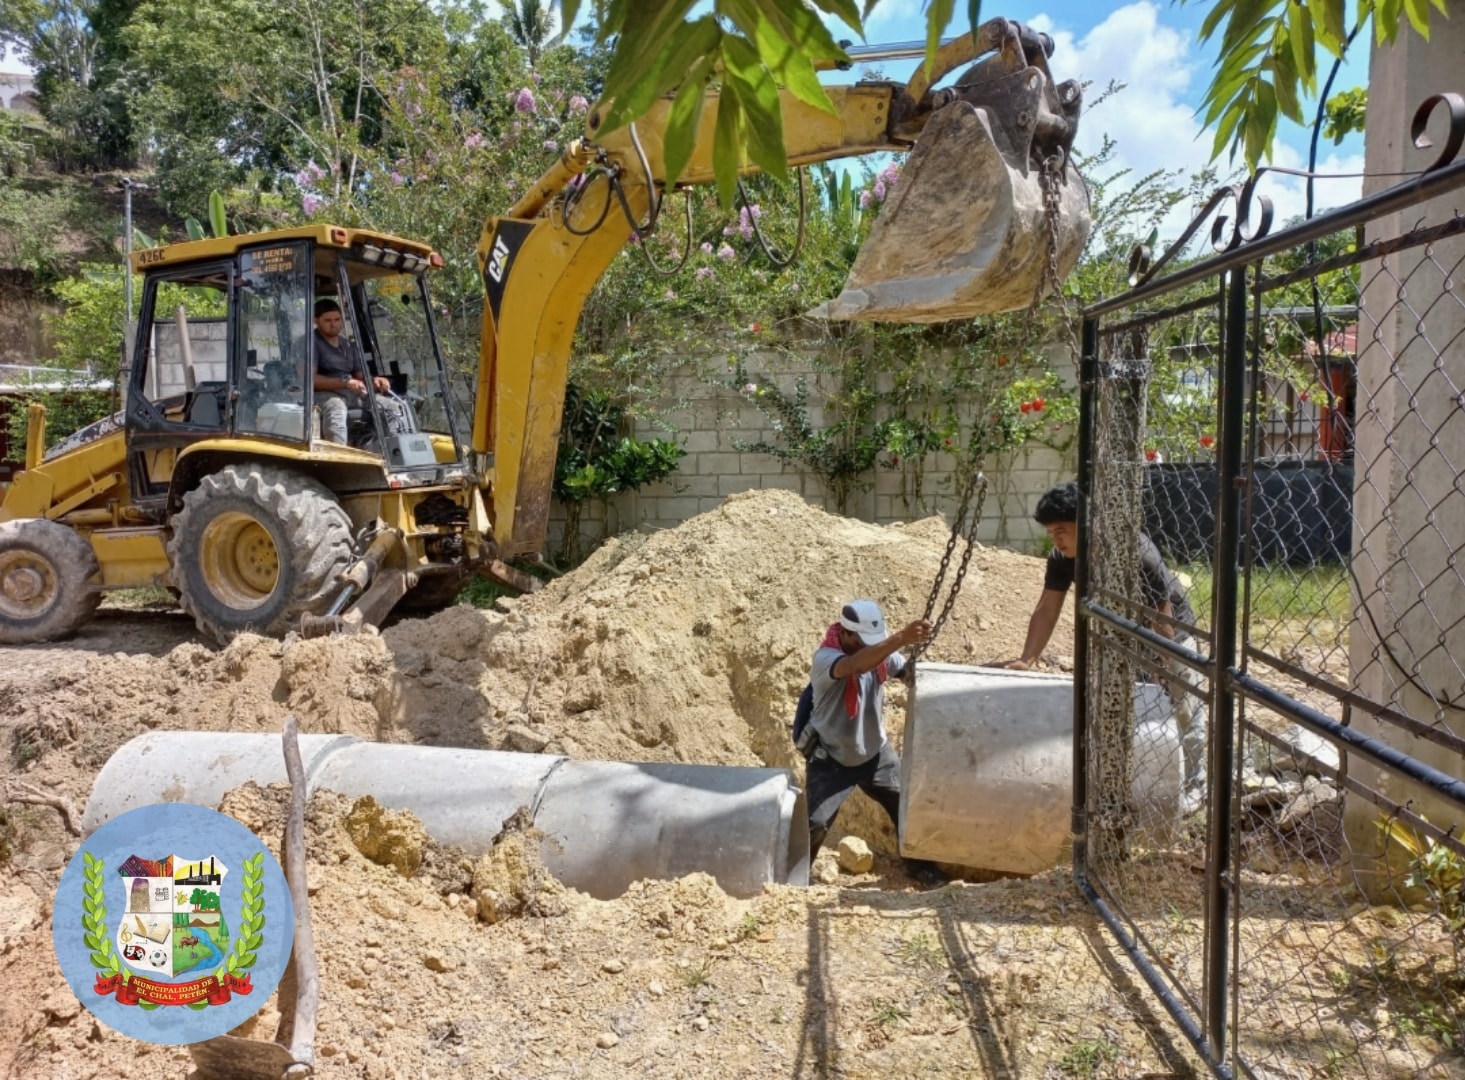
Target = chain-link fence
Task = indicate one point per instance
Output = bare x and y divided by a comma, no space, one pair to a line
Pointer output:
1271,649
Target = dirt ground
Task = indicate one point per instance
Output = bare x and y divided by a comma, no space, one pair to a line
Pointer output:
689,645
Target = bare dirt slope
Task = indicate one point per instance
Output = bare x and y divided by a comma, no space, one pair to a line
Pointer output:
688,645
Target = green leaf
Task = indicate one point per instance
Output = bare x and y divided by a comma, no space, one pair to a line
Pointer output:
217,220
802,29
1418,12
1261,124
938,14
99,959
148,1005
1386,20
845,9
647,33
195,230
762,109
1333,28
727,145
789,46
198,1006
231,963
683,119
1303,44
1250,19
690,43
254,941
90,860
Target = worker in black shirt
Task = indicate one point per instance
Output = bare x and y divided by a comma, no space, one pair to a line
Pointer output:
1057,511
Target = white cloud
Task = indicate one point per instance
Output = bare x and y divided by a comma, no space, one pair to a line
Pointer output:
889,16
1151,121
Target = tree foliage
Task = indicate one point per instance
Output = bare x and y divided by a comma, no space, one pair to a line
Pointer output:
1269,57
750,48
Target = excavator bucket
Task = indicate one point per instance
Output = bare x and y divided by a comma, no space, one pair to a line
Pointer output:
988,213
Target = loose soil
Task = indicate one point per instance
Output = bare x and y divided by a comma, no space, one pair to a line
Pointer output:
687,645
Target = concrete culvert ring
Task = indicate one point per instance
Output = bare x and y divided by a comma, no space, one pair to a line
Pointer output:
46,590
256,547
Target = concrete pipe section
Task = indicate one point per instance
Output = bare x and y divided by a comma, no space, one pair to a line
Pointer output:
987,767
605,823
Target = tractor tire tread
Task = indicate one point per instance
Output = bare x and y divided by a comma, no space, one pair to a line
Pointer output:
77,572
314,545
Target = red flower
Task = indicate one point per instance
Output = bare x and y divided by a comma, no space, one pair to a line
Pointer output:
757,328
1026,406
1150,455
1002,361
1304,396
1208,441
1037,404
895,459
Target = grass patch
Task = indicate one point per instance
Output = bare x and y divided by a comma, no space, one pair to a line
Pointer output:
1086,1058
1307,596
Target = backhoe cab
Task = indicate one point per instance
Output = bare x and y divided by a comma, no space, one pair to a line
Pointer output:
214,478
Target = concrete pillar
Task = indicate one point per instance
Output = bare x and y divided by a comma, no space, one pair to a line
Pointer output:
1407,638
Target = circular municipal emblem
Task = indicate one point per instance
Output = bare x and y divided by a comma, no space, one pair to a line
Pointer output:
173,923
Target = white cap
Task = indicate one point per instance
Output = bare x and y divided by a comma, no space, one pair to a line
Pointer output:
863,617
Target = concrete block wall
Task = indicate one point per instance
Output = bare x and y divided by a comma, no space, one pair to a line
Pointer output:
712,422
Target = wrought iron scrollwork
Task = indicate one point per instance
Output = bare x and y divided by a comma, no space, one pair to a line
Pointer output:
1254,213
1227,233
1456,104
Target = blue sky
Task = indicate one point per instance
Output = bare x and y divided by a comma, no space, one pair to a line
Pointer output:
1153,48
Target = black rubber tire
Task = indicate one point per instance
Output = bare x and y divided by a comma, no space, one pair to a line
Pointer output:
254,548
46,581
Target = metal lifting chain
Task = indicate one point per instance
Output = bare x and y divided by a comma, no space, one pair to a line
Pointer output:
976,485
1050,177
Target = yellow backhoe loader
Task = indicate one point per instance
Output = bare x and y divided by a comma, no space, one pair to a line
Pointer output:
214,480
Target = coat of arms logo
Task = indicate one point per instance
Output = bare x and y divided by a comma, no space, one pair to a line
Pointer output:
173,943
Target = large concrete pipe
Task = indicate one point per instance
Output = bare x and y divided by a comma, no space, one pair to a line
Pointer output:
606,823
987,767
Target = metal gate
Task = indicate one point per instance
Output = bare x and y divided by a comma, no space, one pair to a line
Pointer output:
1286,418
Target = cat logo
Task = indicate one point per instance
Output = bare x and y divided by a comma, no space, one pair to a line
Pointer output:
498,259
508,238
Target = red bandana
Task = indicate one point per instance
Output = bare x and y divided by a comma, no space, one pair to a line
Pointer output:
852,686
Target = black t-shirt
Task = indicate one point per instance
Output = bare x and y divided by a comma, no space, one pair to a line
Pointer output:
333,360
1155,579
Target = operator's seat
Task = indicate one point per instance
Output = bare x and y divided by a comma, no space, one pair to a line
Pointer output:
204,405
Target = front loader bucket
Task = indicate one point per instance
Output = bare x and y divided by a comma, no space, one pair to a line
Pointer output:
964,233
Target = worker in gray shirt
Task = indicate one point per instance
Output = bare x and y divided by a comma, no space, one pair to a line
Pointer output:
847,682
339,382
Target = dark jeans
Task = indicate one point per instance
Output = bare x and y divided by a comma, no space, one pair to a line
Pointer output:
829,783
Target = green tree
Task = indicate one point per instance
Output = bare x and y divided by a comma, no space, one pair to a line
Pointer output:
531,22
81,65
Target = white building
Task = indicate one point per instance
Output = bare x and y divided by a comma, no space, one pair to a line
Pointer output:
18,92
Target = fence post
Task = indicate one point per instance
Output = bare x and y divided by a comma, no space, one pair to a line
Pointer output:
1224,596
1088,370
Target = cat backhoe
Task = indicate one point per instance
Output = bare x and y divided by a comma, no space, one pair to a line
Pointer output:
214,479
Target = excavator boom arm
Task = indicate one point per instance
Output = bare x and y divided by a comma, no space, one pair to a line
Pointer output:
540,260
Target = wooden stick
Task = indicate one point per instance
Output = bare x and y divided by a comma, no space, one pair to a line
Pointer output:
19,792
307,974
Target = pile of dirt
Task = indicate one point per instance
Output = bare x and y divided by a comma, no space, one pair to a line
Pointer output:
688,645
